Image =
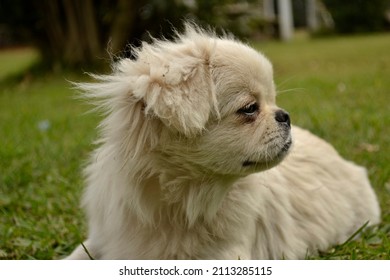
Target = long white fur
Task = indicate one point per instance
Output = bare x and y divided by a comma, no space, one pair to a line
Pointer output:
167,180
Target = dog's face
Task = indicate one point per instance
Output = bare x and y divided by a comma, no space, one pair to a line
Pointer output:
253,134
215,99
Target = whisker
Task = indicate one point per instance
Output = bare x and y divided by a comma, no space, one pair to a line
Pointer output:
285,81
282,84
290,90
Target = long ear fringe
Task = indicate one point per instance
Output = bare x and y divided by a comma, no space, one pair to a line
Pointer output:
133,81
176,82
125,123
105,92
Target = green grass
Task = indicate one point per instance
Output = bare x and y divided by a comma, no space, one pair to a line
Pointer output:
13,61
45,138
339,88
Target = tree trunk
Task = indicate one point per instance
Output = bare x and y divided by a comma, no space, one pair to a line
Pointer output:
73,45
91,30
82,42
71,29
124,24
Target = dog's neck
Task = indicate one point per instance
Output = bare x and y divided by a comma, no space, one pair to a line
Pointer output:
192,197
198,197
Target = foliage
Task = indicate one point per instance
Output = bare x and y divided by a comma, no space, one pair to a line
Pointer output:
338,88
77,33
359,15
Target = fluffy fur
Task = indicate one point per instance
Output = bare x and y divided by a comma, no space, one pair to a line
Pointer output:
188,162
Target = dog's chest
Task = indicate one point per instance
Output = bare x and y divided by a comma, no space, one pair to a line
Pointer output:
223,238
200,242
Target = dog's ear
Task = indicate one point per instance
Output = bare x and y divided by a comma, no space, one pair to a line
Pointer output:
178,90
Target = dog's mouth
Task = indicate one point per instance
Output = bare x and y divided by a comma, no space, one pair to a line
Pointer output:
249,163
279,156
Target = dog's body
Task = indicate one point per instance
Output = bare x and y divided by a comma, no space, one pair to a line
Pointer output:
185,164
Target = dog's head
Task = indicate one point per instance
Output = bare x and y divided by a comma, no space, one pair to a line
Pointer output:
209,103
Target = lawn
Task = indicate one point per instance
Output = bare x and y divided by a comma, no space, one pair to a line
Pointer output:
13,61
339,88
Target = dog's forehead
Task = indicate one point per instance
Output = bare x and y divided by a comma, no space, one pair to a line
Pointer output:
242,68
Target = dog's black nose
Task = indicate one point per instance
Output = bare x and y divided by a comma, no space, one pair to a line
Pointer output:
282,117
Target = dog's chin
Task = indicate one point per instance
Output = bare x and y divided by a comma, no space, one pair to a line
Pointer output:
249,166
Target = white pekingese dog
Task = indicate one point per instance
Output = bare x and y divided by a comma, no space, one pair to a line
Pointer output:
196,161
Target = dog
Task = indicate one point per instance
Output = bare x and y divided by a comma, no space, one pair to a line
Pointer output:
196,161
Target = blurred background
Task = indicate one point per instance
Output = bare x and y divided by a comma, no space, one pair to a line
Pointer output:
72,33
332,70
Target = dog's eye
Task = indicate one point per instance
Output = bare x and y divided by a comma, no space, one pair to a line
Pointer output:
249,110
